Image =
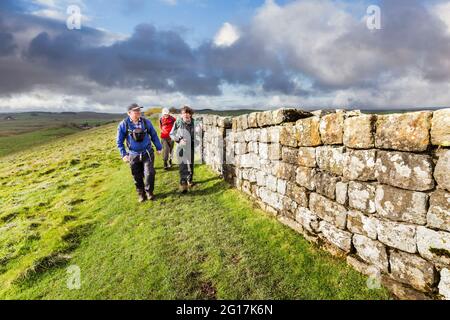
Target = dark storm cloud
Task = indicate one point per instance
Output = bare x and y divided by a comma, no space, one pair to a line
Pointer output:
150,59
247,62
7,44
273,51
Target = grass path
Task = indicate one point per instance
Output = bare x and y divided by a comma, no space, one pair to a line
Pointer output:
209,244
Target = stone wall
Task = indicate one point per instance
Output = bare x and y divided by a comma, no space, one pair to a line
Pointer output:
374,189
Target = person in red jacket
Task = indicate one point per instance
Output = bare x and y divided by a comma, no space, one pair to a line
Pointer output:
166,124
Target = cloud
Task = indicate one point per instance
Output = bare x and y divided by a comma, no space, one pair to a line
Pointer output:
442,11
309,53
336,50
226,36
7,45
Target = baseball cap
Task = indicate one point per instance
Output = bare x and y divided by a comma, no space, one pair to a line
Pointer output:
134,107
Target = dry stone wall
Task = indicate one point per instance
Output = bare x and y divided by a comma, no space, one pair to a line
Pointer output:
372,188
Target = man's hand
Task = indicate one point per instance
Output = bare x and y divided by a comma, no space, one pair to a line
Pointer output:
182,142
159,151
126,159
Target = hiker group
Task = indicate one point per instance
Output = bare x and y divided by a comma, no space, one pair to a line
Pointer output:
139,135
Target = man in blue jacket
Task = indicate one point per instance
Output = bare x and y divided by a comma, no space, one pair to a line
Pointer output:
139,134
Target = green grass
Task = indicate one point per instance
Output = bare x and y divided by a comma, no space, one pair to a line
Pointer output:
12,144
73,203
29,129
34,121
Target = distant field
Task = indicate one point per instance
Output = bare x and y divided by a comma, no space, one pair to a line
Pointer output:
21,131
24,141
17,123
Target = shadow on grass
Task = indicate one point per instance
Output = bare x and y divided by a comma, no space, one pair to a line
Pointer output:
197,190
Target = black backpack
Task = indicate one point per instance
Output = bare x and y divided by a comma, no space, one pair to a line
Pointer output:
133,134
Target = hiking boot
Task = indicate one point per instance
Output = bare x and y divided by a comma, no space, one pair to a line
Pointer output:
183,188
150,196
191,184
170,163
142,196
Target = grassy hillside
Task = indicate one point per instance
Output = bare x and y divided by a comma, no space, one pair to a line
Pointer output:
13,124
19,131
72,202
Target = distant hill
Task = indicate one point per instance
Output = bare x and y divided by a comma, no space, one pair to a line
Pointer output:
24,122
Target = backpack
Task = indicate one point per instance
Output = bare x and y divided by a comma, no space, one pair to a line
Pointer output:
131,133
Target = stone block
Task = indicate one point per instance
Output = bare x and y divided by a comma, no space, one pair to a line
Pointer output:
434,245
275,151
439,212
289,155
305,177
263,151
273,134
252,120
440,128
285,171
307,132
402,291
264,135
260,178
307,157
405,170
264,118
363,267
413,270
397,235
332,128
401,205
240,148
297,193
326,184
281,186
328,210
360,165
361,196
358,222
442,170
249,160
359,132
288,115
307,219
404,132
271,182
271,198
341,193
371,251
340,238
444,284
288,135
331,159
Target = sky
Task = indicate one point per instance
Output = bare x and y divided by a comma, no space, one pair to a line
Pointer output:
224,54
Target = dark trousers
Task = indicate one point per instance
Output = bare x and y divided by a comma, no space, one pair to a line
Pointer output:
186,163
167,144
143,171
